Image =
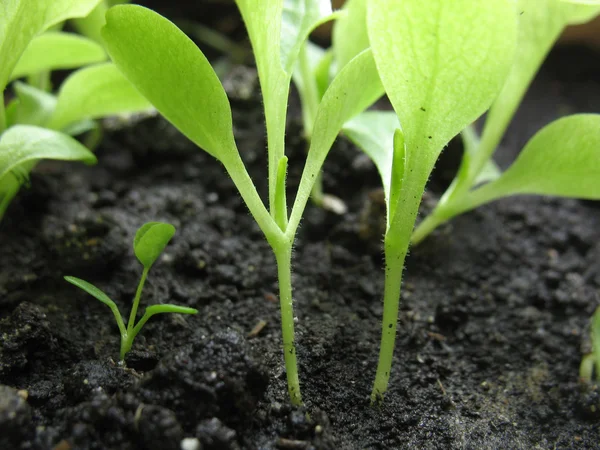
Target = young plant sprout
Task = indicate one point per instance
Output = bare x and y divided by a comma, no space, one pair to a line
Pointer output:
37,124
540,24
454,75
174,75
150,240
591,362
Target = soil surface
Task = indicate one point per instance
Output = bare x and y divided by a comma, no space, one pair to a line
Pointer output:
494,314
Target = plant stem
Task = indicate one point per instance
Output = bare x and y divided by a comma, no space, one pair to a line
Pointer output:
136,300
283,256
2,115
394,266
431,222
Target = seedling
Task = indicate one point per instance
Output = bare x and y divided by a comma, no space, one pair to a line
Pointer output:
453,75
592,360
150,241
36,124
168,68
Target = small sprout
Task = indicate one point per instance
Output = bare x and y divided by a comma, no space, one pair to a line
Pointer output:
150,240
591,361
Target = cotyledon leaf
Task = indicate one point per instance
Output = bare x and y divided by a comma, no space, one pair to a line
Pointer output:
562,159
57,50
94,92
173,74
150,241
22,144
22,20
439,74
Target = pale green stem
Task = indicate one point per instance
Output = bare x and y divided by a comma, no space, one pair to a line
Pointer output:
586,369
283,254
136,300
2,116
394,266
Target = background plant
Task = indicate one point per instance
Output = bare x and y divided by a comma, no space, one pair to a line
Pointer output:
149,242
36,124
168,68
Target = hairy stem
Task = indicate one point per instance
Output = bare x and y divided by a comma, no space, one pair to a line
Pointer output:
283,255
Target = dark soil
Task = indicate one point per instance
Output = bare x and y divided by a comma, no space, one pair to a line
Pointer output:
494,315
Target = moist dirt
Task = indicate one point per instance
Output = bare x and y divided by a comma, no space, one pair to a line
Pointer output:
493,324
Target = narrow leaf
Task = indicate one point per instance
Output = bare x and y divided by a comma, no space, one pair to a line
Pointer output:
562,159
57,50
35,106
92,290
342,101
439,74
94,92
150,241
167,308
22,20
26,143
173,74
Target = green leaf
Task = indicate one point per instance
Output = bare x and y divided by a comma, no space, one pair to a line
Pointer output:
161,309
350,32
57,50
150,241
91,24
173,74
373,133
490,172
439,74
22,20
562,159
94,92
92,290
99,295
342,101
26,143
35,106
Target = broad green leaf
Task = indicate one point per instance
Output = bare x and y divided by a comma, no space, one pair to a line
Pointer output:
22,20
94,92
173,74
439,74
92,290
540,24
350,32
373,132
22,144
342,101
57,50
150,241
298,19
35,106
562,159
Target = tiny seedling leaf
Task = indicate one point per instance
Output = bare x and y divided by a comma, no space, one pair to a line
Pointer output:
34,107
95,92
57,50
350,32
441,75
150,240
562,159
22,20
161,309
92,290
173,74
26,143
